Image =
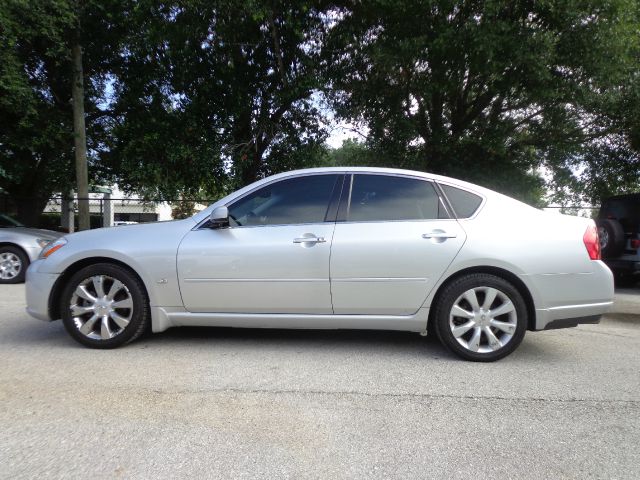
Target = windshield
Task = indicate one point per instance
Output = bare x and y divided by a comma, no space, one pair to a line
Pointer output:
6,221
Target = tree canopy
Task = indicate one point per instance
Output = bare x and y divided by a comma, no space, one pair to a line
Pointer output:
190,98
489,91
210,93
36,122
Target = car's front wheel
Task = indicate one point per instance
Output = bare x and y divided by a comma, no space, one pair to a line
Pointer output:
13,264
104,306
480,317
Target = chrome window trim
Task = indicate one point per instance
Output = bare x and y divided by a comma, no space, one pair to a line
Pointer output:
352,177
273,225
349,172
413,220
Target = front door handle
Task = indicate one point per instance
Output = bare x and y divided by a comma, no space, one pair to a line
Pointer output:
439,234
310,239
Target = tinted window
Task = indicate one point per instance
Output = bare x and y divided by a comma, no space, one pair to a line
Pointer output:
382,197
464,203
296,200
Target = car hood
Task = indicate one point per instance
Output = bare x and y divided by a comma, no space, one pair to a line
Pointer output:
147,231
34,232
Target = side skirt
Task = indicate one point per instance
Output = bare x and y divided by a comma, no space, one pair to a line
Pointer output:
163,318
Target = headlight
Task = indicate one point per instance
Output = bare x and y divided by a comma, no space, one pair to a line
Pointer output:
42,242
52,247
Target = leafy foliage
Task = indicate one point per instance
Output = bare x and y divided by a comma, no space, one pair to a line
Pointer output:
352,154
487,91
213,92
194,97
36,132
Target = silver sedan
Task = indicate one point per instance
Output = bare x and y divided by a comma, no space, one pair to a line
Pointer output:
333,248
19,246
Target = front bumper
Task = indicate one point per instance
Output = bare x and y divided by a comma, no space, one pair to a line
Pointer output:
33,253
38,288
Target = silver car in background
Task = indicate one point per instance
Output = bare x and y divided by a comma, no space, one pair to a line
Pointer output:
334,248
19,246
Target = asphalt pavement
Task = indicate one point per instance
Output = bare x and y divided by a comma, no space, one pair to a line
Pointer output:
225,403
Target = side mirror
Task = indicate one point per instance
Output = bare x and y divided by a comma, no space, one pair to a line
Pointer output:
219,217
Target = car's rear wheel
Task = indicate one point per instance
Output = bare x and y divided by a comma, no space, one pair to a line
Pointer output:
104,306
480,317
13,264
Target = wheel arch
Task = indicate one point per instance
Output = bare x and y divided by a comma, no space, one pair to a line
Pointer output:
15,245
498,272
56,291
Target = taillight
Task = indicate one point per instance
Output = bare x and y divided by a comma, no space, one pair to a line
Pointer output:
592,242
635,244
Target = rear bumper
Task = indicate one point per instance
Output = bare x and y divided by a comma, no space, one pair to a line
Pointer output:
569,299
572,322
570,315
38,289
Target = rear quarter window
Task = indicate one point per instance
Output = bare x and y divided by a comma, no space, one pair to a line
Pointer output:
464,203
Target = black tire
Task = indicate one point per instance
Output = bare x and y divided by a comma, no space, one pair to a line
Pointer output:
133,292
517,318
612,239
15,252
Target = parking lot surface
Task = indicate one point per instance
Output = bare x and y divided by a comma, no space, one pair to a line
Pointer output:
225,403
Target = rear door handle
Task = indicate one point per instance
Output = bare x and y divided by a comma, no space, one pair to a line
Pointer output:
309,239
439,234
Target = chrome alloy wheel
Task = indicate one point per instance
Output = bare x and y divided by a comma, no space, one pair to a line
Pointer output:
10,265
101,307
483,319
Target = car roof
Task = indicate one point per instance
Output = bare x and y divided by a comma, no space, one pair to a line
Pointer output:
392,171
477,189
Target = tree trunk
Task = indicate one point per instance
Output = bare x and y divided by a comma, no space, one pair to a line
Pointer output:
252,166
80,139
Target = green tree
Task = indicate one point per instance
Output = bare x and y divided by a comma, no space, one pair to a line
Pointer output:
214,94
605,168
487,91
36,71
352,154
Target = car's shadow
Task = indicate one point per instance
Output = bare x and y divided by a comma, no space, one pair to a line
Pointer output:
369,341
307,338
32,333
25,332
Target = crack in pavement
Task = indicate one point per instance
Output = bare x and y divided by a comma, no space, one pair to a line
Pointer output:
411,396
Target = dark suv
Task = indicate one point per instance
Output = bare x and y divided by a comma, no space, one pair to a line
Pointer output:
619,229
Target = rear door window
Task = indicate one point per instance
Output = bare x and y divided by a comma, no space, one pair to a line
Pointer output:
389,198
